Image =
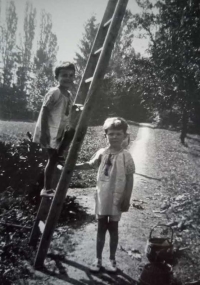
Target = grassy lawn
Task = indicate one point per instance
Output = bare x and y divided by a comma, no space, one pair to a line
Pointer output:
12,132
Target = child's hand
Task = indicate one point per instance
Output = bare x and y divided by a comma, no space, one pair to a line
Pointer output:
124,206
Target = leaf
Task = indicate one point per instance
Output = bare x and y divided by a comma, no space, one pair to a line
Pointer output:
23,157
181,197
179,239
138,206
134,253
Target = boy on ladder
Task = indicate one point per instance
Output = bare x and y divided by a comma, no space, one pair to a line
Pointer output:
55,126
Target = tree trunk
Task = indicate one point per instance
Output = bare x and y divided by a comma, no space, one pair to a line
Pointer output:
184,128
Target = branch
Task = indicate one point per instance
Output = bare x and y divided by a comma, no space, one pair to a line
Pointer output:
193,283
150,35
15,226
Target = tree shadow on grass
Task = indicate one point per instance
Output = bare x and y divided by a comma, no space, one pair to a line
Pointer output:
148,177
194,139
187,152
167,128
101,278
73,214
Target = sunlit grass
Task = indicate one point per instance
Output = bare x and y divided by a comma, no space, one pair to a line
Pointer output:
12,132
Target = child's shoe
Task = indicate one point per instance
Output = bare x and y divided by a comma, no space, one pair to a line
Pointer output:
96,266
61,160
48,193
111,266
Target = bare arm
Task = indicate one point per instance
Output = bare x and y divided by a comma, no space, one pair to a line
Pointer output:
79,166
83,166
127,193
45,135
93,163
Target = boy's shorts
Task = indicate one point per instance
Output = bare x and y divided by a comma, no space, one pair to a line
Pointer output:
112,218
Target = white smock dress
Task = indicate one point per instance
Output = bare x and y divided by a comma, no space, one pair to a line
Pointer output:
111,179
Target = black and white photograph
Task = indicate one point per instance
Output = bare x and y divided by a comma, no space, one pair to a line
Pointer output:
100,142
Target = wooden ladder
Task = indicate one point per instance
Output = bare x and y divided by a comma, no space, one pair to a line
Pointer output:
86,94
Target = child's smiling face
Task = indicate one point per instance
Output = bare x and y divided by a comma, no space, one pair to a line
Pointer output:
115,137
66,77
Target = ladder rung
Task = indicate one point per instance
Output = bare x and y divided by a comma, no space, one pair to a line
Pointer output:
98,51
88,80
107,23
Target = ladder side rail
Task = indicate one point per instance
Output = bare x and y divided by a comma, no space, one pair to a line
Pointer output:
81,130
92,60
109,43
41,216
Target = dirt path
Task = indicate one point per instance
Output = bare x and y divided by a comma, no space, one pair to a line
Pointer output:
75,250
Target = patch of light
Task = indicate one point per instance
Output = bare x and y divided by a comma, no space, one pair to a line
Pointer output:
138,149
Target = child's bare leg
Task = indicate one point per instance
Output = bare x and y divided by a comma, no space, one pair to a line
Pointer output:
67,139
50,168
101,234
113,231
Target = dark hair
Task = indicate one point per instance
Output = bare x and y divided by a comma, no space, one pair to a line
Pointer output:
64,65
115,123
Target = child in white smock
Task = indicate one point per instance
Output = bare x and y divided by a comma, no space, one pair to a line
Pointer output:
114,187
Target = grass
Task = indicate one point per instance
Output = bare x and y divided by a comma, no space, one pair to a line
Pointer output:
12,132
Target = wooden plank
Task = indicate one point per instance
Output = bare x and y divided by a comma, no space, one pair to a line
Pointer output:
89,80
98,51
41,216
15,226
107,23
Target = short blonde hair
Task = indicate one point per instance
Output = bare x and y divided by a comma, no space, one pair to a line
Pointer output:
116,123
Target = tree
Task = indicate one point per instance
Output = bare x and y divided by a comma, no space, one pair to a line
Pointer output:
85,47
8,42
123,50
44,60
25,79
113,92
8,96
23,56
127,70
134,91
174,51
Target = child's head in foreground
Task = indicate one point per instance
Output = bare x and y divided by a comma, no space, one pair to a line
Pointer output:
115,131
65,73
115,123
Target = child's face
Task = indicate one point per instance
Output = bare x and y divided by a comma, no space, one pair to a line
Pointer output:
66,77
115,137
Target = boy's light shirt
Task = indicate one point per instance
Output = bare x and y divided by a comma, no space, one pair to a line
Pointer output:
58,120
110,188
